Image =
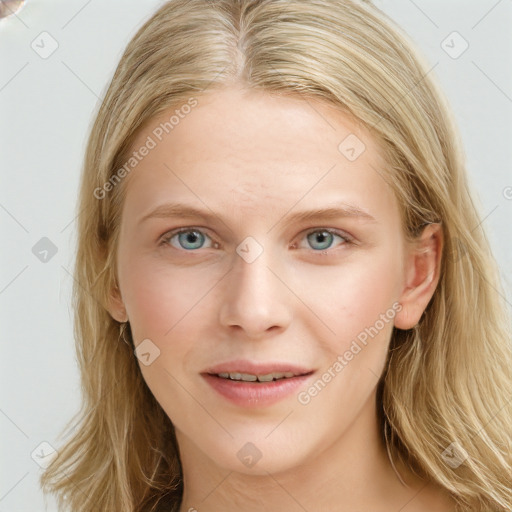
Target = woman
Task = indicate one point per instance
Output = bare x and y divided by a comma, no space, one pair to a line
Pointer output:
284,296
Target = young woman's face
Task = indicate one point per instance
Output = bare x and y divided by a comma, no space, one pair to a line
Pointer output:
290,266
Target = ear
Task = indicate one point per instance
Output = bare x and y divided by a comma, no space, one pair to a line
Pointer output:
116,306
422,272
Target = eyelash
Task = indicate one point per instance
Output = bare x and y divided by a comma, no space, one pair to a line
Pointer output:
347,239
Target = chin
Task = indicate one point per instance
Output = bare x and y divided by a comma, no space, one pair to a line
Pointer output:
258,457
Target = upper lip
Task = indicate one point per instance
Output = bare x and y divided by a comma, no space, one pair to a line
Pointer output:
254,368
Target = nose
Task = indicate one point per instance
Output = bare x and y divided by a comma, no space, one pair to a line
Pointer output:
255,300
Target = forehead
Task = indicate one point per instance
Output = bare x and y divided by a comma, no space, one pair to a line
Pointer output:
246,148
276,125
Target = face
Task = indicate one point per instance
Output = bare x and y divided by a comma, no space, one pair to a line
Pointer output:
254,246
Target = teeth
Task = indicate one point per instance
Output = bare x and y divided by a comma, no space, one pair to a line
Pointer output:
248,377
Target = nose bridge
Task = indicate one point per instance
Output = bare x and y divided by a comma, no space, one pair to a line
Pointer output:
255,299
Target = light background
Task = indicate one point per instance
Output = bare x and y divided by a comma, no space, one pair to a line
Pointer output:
46,108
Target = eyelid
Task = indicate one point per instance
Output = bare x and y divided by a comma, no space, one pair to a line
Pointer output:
334,231
170,233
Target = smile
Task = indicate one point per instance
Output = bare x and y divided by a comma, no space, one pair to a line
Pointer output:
249,384
248,377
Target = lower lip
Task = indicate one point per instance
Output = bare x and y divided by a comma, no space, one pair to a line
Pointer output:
255,394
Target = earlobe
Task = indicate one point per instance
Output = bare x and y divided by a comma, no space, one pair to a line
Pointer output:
422,272
116,306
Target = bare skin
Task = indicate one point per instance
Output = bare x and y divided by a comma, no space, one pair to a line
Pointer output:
253,160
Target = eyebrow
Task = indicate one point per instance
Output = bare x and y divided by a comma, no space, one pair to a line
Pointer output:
334,211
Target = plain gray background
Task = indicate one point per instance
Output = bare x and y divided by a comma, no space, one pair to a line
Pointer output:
46,107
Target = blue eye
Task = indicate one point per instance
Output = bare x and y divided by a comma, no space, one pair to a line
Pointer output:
322,239
188,239
191,239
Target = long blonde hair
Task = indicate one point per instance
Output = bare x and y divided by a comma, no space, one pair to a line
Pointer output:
447,382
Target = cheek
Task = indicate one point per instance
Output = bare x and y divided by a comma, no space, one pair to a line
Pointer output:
165,307
158,298
359,304
354,295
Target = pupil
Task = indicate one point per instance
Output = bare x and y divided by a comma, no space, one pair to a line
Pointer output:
322,238
190,239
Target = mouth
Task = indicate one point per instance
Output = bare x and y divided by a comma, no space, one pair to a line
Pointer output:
249,384
250,377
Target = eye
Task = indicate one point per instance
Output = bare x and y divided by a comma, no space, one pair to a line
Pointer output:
188,239
323,239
